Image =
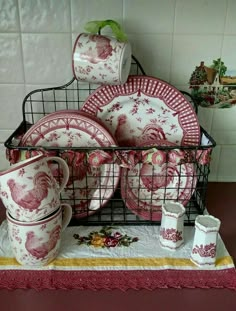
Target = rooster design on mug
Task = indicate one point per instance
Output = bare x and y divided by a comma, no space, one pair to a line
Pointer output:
31,199
39,248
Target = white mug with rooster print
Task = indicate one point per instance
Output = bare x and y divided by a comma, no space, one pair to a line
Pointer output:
28,189
37,243
101,59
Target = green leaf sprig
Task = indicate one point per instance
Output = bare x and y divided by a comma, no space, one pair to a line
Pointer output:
94,27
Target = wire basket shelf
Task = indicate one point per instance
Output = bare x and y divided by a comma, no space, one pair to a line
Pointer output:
118,201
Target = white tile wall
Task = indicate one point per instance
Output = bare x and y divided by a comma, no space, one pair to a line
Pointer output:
205,117
4,163
227,172
83,11
230,23
9,16
47,58
45,16
11,65
224,119
169,37
149,17
189,50
11,99
228,48
154,51
200,17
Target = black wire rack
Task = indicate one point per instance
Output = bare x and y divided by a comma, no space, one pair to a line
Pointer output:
120,202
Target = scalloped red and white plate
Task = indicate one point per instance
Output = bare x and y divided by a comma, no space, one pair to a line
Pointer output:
70,128
143,108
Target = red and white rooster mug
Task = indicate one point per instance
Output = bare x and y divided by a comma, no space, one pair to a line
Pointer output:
37,243
28,189
101,59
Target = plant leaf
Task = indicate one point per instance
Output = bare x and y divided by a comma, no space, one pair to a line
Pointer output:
95,26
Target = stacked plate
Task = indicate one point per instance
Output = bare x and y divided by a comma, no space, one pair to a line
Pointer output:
143,112
146,111
89,187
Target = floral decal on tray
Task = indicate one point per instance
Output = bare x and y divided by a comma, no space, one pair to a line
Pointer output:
106,237
213,86
171,234
208,250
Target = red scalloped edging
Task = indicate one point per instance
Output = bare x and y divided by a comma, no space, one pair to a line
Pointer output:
123,280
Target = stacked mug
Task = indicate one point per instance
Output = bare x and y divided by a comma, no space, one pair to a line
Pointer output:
34,213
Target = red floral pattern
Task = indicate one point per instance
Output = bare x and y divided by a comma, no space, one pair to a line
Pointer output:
105,238
127,158
208,250
171,234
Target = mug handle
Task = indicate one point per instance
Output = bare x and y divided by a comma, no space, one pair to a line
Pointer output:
66,215
65,169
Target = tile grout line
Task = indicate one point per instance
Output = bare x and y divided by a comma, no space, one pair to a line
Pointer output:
213,116
132,33
223,35
21,45
123,12
172,44
71,30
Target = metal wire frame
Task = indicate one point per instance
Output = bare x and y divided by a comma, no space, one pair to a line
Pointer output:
41,102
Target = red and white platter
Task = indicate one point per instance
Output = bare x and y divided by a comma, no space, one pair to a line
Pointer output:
70,128
143,108
145,187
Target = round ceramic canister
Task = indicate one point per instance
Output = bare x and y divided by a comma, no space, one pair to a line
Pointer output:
101,59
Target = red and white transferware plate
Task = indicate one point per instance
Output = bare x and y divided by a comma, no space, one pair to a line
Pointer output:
147,186
143,108
89,186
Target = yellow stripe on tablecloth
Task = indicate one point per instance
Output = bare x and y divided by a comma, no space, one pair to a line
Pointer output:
8,261
122,262
131,262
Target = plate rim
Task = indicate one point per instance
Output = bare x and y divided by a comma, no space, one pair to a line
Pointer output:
76,113
104,94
